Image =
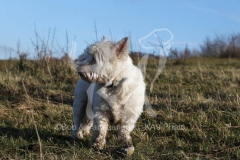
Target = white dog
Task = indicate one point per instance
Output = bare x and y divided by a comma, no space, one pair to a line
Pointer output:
118,95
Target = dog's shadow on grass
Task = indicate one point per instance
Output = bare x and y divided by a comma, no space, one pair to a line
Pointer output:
29,134
115,153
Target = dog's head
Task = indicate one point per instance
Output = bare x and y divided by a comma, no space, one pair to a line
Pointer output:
102,61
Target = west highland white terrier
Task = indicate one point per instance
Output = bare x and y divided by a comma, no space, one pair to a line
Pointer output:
118,95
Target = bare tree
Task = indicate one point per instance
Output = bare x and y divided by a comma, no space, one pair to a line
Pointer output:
220,44
22,56
222,47
174,54
232,45
208,48
187,52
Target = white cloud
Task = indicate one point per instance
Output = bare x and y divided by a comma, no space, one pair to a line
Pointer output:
231,16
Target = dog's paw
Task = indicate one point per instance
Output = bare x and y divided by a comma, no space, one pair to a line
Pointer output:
126,140
128,151
80,134
123,152
98,144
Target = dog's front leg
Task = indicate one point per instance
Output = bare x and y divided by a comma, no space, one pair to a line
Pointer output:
124,134
125,137
100,127
79,108
101,119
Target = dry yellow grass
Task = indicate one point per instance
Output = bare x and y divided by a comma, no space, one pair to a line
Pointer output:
197,102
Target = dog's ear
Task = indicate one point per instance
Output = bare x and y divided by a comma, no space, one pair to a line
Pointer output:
121,47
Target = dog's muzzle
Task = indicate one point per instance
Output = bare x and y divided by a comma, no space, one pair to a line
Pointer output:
91,77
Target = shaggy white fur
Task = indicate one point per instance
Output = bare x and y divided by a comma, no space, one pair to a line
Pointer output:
118,95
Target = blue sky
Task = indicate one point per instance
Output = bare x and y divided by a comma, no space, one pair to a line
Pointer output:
190,21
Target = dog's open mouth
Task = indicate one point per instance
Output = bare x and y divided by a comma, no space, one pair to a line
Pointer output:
91,77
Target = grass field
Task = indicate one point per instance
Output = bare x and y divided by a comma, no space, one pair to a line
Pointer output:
197,102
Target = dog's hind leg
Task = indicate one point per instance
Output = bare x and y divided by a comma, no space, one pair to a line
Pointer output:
82,124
